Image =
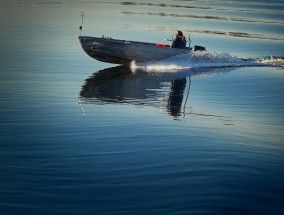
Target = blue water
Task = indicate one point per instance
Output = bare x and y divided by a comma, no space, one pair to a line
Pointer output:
196,134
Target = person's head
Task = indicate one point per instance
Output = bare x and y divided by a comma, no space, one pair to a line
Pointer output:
179,34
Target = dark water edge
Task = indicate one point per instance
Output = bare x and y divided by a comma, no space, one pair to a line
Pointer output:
78,136
138,177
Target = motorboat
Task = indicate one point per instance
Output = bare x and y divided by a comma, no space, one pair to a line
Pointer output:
116,51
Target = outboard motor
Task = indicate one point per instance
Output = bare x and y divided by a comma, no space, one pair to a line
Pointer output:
198,48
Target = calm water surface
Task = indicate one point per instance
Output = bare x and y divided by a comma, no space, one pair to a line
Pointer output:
200,135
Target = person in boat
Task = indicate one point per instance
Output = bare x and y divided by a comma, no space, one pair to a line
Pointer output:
179,42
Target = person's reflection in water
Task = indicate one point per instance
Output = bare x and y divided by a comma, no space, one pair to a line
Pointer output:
176,97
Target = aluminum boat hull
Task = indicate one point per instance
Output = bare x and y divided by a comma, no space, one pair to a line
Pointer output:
124,52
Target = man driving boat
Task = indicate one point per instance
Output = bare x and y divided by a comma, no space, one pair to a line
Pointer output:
179,42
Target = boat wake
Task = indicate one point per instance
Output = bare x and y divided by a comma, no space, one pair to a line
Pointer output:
206,59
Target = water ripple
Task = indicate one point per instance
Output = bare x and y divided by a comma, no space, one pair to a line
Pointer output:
201,7
223,18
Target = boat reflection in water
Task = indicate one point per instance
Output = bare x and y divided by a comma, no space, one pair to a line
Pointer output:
164,90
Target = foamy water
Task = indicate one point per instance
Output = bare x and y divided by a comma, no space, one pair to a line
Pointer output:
205,59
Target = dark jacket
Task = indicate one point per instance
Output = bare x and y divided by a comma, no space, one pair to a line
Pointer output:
179,42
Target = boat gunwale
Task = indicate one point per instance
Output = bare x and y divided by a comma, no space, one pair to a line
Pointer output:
109,39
